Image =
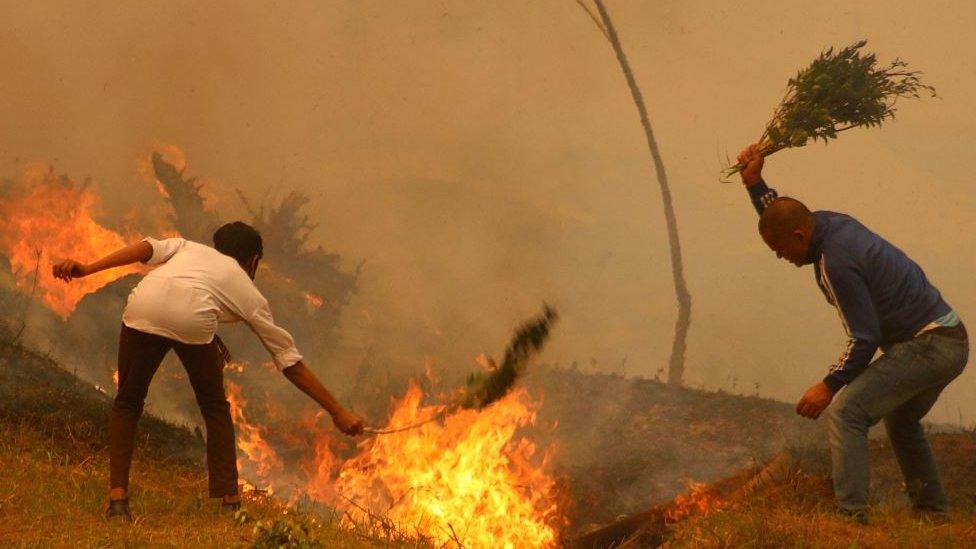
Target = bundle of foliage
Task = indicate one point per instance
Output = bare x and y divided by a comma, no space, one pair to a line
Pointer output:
485,388
840,90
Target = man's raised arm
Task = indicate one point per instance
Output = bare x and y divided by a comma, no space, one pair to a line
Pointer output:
751,174
141,251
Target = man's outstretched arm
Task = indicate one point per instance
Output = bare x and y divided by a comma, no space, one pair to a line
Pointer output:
141,251
303,378
751,174
281,346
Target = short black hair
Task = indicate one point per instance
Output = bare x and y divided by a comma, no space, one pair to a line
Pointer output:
238,240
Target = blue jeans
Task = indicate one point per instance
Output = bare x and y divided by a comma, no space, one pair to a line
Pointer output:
900,387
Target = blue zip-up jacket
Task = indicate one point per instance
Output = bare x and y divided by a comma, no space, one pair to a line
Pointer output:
882,296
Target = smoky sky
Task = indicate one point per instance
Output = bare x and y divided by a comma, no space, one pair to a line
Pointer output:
482,157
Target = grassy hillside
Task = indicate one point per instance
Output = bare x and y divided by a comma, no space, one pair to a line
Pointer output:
796,509
54,477
622,446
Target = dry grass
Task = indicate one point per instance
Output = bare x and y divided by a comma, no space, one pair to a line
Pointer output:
48,497
798,513
54,478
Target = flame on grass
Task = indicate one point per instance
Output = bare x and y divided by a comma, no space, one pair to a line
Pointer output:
261,458
46,219
697,500
468,480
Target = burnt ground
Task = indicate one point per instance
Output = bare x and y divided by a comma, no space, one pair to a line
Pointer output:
623,444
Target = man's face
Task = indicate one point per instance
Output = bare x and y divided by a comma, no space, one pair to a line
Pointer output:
792,246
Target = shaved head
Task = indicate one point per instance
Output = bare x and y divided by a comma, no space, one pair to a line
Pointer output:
786,225
783,216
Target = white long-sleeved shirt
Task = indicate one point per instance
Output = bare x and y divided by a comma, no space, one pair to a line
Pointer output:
196,287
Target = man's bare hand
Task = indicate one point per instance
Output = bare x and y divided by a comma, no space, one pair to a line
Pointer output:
815,401
68,269
348,422
752,159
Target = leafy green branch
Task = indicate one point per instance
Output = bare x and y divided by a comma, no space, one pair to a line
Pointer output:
839,91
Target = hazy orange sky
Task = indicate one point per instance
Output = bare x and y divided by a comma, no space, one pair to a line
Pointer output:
484,156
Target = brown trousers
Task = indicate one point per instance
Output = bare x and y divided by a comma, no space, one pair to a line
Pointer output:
140,355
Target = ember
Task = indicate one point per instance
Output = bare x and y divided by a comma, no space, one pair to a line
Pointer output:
313,300
696,501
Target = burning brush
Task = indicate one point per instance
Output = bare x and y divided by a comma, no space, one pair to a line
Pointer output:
484,389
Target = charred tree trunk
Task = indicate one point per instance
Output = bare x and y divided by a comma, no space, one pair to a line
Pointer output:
190,215
676,365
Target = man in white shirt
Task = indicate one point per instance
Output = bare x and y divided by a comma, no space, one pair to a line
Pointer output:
178,306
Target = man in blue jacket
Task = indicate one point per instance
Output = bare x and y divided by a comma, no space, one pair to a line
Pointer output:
884,301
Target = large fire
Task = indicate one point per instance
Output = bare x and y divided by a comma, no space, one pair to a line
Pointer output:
468,480
46,219
469,477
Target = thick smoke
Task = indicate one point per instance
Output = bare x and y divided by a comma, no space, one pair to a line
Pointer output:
466,161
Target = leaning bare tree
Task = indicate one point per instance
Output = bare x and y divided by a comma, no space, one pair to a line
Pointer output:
676,366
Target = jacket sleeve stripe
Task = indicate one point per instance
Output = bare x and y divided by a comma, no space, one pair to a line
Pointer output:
840,312
833,296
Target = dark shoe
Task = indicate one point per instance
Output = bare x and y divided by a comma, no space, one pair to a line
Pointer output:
857,516
118,509
230,507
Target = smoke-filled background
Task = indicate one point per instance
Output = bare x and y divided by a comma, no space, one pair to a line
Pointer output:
478,158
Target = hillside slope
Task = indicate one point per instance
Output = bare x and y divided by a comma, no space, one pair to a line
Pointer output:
621,446
624,443
54,476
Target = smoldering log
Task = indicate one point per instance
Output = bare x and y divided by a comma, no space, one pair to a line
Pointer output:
650,528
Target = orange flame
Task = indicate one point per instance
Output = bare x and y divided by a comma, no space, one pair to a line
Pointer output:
697,500
46,219
262,459
313,300
468,480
